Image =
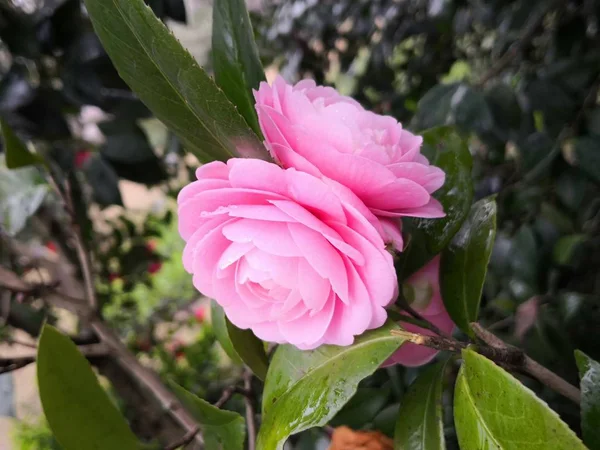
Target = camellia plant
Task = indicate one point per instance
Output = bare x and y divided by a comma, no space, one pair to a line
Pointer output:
332,242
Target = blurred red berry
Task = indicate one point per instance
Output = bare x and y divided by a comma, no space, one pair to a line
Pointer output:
200,314
113,276
151,246
51,246
81,157
176,348
154,266
143,344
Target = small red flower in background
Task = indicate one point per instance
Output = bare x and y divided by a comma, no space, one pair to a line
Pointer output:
113,276
176,348
51,246
199,314
81,157
154,266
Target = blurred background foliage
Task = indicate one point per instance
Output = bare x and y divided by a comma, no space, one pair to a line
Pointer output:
519,78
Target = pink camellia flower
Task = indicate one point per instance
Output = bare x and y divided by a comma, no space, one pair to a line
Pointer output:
317,130
422,291
293,257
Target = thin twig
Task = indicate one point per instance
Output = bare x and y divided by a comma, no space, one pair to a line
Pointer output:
228,393
185,440
250,421
531,367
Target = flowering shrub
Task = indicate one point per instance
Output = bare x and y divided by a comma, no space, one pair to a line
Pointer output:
331,241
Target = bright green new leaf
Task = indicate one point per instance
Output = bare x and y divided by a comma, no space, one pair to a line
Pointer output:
22,192
17,153
419,425
464,264
305,389
240,345
493,410
428,237
79,412
170,82
589,372
221,429
235,57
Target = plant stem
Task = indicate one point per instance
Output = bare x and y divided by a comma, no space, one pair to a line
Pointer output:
250,422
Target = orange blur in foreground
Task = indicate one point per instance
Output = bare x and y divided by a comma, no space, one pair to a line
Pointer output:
344,438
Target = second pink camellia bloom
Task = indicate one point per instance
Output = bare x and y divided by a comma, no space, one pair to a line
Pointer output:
319,131
296,258
422,290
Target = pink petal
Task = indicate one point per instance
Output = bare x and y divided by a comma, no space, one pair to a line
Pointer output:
271,237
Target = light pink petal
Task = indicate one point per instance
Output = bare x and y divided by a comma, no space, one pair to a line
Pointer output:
271,237
397,195
313,288
233,253
430,177
306,331
196,187
198,234
215,169
261,212
256,174
268,331
322,257
393,233
301,215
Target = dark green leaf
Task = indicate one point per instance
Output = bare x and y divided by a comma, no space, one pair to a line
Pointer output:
464,264
240,345
587,151
493,410
589,372
221,429
362,408
22,192
17,154
385,421
170,82
566,248
103,181
454,104
428,237
306,389
78,410
419,425
235,57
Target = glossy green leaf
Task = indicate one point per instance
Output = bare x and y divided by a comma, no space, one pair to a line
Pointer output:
428,237
464,264
419,425
169,81
589,372
221,429
235,57
306,389
493,410
22,192
240,345
587,151
454,104
79,412
362,407
17,153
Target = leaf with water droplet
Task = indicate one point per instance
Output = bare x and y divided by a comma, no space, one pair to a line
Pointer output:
303,388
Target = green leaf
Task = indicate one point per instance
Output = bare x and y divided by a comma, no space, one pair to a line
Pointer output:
306,389
464,264
221,429
78,410
240,345
587,151
362,407
454,104
17,153
419,425
589,373
22,192
235,57
428,237
493,410
566,248
169,81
